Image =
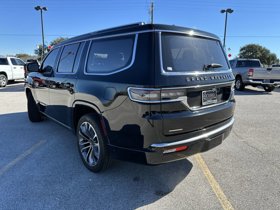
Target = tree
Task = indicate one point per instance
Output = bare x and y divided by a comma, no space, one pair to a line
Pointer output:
57,40
258,52
39,49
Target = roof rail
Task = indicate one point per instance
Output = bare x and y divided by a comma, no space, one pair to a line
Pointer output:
121,27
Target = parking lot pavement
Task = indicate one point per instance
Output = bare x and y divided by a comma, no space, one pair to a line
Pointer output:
40,167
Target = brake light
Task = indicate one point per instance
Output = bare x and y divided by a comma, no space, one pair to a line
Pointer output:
250,72
156,95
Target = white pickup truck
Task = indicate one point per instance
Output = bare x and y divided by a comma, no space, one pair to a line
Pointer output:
11,68
251,72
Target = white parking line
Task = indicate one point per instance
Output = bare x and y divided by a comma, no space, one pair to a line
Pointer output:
21,157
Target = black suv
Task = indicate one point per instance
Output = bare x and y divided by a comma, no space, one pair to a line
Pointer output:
142,92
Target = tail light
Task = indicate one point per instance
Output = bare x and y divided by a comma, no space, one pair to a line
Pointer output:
250,72
156,95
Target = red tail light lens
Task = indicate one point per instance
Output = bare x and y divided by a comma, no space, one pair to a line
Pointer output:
250,72
177,149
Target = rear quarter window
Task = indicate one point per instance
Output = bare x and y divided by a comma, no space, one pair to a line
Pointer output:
110,55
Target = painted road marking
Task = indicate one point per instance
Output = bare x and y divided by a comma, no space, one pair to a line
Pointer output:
214,184
21,157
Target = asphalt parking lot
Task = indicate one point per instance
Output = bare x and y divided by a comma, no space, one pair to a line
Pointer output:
40,167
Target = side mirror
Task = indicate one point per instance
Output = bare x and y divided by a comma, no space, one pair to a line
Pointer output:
32,67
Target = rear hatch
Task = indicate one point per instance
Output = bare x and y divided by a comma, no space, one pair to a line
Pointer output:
195,81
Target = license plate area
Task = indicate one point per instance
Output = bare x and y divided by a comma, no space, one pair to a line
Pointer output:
209,97
266,81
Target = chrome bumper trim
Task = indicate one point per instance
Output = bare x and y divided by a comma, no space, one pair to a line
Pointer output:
196,138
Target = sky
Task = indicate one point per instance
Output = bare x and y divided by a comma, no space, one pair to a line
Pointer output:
253,21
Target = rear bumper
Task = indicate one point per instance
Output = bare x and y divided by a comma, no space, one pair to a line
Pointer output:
207,139
196,144
261,82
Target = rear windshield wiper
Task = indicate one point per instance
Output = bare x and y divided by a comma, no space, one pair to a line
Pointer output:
211,66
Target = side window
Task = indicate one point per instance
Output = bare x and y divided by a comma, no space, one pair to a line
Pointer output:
49,62
231,63
67,58
109,55
4,61
20,62
13,61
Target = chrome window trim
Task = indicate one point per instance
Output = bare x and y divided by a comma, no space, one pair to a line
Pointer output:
113,71
196,138
163,72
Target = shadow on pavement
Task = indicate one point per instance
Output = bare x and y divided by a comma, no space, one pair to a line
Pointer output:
254,91
13,87
53,176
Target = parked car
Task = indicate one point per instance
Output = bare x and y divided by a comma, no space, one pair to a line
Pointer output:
251,72
142,92
11,68
275,65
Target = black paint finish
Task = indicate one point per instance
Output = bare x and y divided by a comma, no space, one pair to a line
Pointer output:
132,127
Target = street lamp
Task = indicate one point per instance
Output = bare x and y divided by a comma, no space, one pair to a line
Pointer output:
41,9
225,31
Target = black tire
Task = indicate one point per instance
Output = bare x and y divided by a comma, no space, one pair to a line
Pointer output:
3,80
92,144
239,85
268,88
33,110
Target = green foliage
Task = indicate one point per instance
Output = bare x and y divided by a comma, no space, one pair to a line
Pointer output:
57,40
258,52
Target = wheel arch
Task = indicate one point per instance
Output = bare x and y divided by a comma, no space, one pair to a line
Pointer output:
80,108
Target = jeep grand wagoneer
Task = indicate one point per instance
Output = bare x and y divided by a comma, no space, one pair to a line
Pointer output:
142,92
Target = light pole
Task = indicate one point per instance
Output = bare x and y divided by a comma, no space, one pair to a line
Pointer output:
41,9
225,31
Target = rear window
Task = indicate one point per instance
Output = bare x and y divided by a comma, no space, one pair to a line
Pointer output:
110,55
248,63
182,53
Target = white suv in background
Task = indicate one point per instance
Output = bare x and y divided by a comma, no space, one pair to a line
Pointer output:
11,68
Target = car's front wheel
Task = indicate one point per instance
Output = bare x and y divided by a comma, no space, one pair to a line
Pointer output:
92,144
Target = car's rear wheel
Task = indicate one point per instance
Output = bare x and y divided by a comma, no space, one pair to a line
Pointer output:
3,80
239,85
268,88
92,144
33,110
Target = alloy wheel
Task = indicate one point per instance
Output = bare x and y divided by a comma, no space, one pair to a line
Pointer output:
89,144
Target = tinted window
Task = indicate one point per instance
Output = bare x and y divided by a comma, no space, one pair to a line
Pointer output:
231,63
110,55
49,62
78,57
4,61
248,63
67,58
17,62
182,53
